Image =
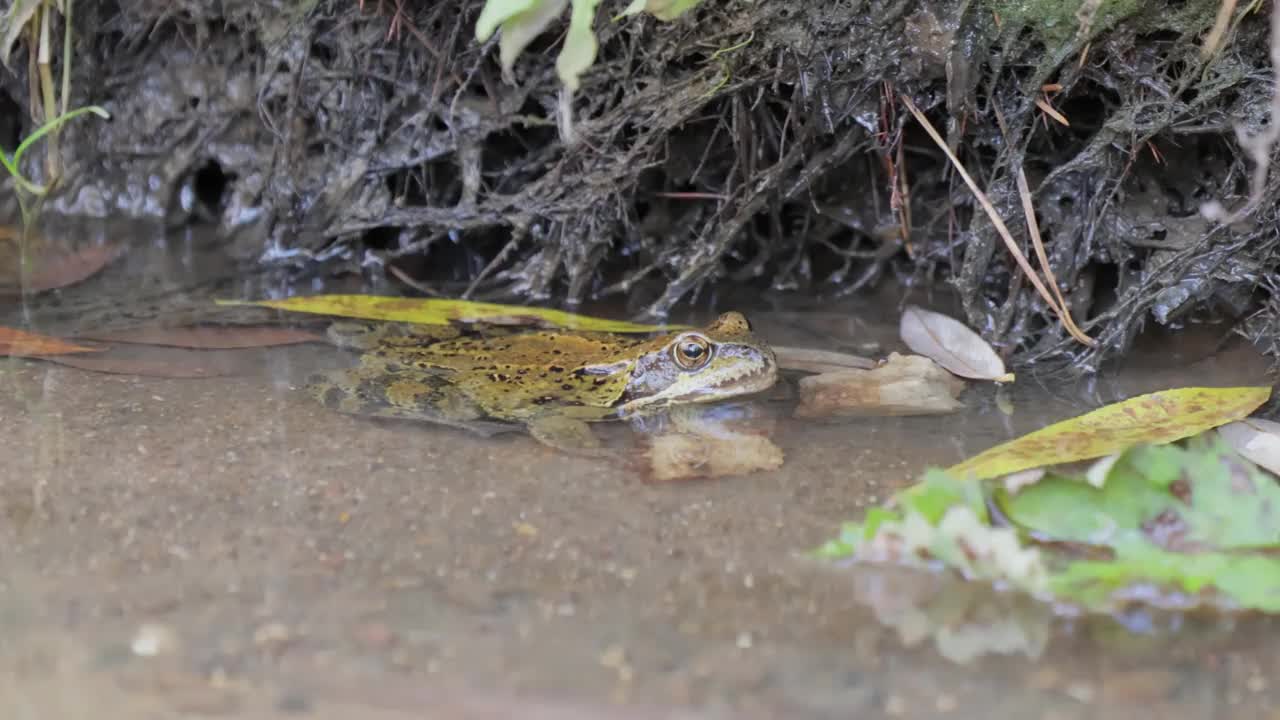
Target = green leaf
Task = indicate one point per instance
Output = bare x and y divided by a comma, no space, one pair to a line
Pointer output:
668,10
1180,526
579,51
54,124
941,520
665,10
12,24
496,12
1241,581
1198,498
521,29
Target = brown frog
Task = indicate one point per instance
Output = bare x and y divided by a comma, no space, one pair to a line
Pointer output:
552,382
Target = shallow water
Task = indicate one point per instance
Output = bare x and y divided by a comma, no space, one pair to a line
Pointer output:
225,547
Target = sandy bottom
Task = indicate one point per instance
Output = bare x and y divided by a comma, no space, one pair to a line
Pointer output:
223,547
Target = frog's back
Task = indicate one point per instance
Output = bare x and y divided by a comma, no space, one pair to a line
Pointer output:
530,374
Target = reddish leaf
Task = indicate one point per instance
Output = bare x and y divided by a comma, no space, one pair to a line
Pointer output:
17,343
149,361
58,269
209,338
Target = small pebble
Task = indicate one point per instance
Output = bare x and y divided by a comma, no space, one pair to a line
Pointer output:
293,703
1080,692
153,639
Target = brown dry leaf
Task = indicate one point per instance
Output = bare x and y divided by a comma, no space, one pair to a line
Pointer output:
904,385
149,361
951,344
819,361
61,268
18,343
209,338
686,456
1256,439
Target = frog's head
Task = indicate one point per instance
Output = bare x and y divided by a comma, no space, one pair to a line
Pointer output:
722,360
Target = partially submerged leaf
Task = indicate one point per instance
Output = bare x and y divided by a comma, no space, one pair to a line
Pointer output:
819,361
942,520
1174,526
208,338
1158,417
147,361
1256,439
66,269
439,311
1199,522
951,344
1181,500
19,343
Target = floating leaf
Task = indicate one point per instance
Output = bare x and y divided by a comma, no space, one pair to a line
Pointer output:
1158,417
951,344
438,311
1256,439
819,361
209,338
18,343
64,269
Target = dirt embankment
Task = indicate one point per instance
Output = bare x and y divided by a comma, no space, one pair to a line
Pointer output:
749,142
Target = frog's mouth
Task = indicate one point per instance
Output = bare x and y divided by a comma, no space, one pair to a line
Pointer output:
717,383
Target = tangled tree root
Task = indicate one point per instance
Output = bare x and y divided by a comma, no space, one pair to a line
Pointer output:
748,142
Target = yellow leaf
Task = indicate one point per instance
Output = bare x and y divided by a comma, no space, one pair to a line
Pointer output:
1159,417
439,311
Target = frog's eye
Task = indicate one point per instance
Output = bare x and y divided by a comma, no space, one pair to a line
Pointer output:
691,352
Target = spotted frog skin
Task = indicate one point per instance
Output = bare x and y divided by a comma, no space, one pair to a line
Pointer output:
552,382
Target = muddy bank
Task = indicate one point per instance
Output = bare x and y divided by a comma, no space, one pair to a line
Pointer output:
753,143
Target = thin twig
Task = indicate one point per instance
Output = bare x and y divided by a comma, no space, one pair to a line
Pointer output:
1213,41
1033,228
999,225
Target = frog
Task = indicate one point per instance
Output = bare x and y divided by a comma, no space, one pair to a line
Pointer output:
552,383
